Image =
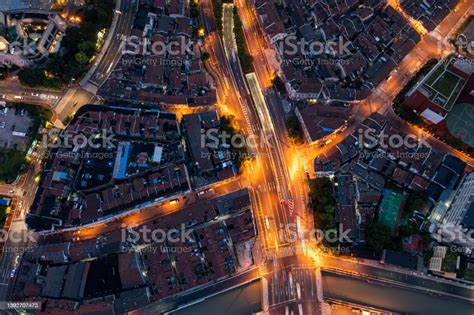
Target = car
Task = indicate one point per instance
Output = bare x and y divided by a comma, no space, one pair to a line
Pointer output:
35,94
12,273
174,201
306,171
2,124
18,97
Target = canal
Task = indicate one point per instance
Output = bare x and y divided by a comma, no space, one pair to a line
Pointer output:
391,298
246,299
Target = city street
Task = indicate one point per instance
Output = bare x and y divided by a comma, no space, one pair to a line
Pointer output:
277,176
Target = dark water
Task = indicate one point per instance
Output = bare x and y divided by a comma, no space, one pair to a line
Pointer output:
392,298
246,299
239,301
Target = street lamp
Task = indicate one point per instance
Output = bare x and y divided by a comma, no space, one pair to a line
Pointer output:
201,32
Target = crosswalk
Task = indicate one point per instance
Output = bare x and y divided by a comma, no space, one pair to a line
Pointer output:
267,187
290,284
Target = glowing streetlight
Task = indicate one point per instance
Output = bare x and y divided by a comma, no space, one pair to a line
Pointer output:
201,32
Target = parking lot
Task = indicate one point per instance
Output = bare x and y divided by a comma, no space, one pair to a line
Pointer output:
15,126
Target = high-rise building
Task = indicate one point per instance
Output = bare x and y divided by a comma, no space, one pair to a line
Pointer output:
458,223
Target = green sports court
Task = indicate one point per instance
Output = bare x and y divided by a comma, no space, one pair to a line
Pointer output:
460,122
392,205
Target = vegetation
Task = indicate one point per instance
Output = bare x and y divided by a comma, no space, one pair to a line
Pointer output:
78,47
4,72
321,193
194,10
40,116
205,56
12,162
414,119
378,235
294,130
3,215
36,77
400,98
468,274
246,60
278,84
450,261
217,6
416,201
239,155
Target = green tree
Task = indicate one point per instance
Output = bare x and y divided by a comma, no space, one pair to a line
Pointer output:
416,201
278,83
81,58
31,77
378,235
87,47
294,130
323,203
4,73
205,56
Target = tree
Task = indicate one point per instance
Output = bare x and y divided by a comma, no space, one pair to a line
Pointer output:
81,58
294,130
416,201
87,47
323,203
205,56
378,235
278,83
3,73
31,77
